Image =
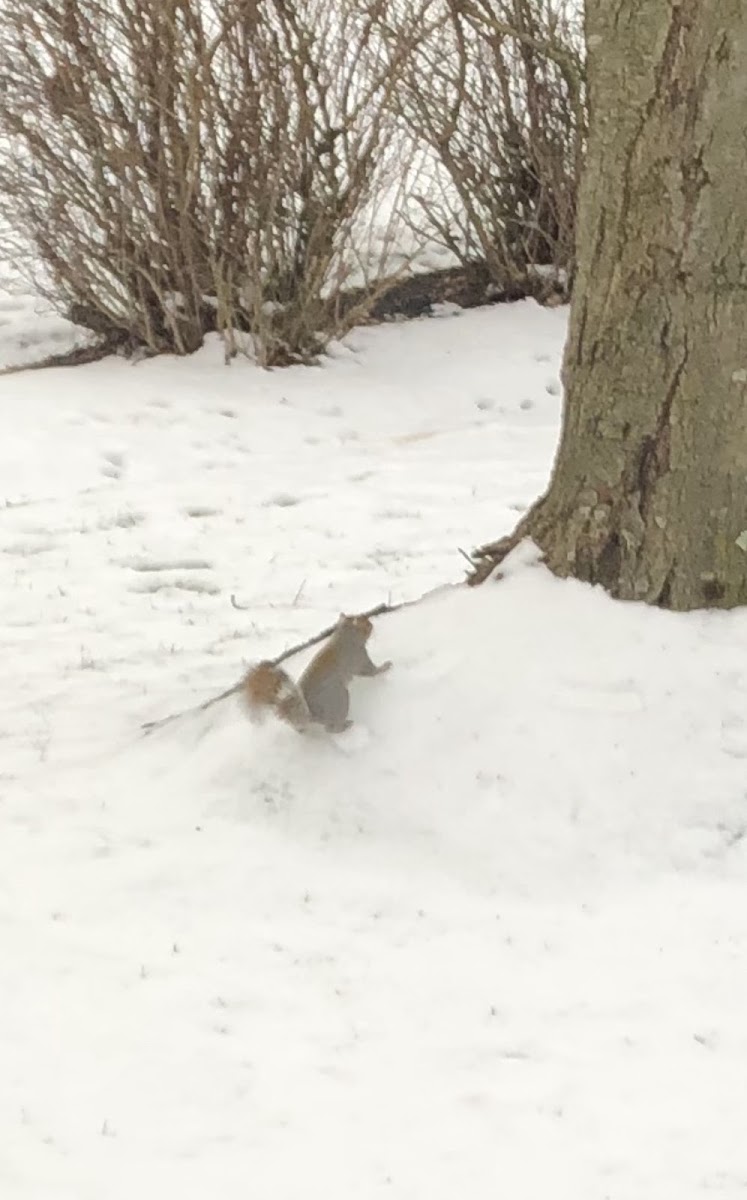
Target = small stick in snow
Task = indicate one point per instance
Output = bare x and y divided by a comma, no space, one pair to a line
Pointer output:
468,557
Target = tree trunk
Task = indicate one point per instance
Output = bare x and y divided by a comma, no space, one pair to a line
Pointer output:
649,490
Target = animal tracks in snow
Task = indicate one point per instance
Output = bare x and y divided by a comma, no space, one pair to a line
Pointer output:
177,564
159,576
113,464
598,695
734,735
200,586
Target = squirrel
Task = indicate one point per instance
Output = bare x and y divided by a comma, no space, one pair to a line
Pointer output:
321,695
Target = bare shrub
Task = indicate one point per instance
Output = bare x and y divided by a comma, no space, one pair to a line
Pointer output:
496,89
179,166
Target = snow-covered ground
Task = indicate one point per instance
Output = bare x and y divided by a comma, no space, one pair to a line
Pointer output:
491,942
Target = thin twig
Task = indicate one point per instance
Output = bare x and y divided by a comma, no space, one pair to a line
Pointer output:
468,557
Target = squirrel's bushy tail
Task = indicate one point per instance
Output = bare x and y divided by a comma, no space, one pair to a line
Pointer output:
268,688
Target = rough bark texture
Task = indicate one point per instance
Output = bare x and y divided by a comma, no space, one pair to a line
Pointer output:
649,490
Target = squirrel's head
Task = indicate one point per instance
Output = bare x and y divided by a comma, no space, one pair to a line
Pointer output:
360,625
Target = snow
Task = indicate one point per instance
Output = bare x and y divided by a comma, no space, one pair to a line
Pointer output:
491,940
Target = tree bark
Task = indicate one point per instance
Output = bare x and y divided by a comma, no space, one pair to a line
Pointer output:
649,489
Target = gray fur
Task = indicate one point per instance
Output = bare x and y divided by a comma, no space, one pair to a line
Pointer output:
324,687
